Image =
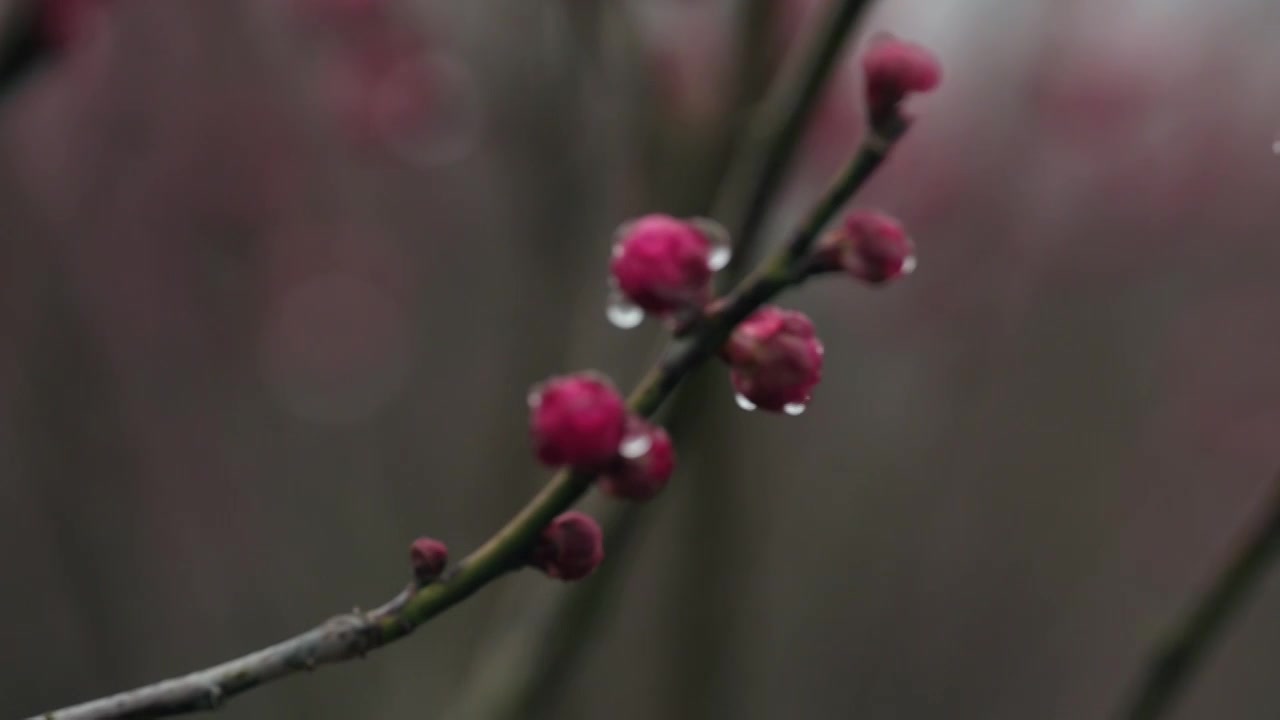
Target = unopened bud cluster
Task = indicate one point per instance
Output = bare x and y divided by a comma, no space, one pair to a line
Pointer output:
580,421
664,266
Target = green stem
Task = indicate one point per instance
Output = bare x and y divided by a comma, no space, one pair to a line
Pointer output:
1172,665
779,128
512,680
354,635
505,550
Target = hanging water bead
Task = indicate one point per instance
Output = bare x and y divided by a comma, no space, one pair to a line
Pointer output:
718,237
621,312
794,409
635,444
743,402
647,461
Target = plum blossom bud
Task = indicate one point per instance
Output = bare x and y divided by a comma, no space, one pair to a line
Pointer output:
662,264
570,548
577,420
428,557
895,69
646,462
776,358
869,245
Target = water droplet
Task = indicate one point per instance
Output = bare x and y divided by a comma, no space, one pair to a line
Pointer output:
636,445
622,313
621,234
721,246
909,265
743,402
719,258
535,397
794,409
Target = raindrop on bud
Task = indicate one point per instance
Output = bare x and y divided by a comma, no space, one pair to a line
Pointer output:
621,312
721,246
635,446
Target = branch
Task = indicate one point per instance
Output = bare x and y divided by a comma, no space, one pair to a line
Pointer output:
775,134
1172,665
356,634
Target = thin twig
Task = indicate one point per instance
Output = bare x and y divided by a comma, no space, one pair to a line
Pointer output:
1172,665
356,634
776,132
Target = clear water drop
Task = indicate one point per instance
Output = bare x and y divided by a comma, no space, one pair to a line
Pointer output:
909,265
794,409
743,402
719,257
620,234
636,445
721,245
621,312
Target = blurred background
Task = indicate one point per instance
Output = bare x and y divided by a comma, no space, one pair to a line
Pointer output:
275,278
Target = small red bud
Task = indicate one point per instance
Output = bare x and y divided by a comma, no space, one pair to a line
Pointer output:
577,420
869,245
570,548
776,358
895,69
662,264
428,557
645,475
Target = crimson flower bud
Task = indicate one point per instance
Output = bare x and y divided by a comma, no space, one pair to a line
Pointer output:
663,264
894,69
646,462
776,358
869,245
570,548
577,420
428,557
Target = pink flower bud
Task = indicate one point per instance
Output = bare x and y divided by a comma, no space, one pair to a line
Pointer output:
894,69
428,558
570,548
662,264
577,420
870,246
645,475
776,358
